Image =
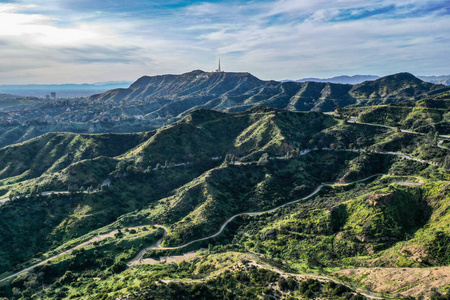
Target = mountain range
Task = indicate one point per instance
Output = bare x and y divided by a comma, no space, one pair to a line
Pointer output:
86,90
239,91
355,79
344,79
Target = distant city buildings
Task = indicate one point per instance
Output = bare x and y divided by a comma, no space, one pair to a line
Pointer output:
51,96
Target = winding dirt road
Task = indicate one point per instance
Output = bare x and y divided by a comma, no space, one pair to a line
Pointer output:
158,244
300,277
159,247
439,143
352,120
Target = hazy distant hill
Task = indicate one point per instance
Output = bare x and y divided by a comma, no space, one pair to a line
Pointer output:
342,79
345,79
62,90
443,79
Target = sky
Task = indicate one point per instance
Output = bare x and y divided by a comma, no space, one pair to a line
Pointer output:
87,41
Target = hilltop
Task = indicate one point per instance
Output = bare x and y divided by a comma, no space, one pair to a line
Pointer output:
193,84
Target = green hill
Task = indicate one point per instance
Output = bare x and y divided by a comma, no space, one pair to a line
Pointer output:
391,89
429,115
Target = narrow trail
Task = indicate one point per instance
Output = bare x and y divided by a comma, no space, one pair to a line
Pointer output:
88,242
439,143
259,265
159,247
141,253
411,183
320,278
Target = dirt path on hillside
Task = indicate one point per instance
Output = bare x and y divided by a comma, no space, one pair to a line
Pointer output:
259,265
88,242
404,281
412,183
158,246
137,259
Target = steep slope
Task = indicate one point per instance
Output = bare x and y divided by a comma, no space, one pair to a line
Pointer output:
184,150
53,152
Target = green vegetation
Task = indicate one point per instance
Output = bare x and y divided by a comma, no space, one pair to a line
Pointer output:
429,115
98,260
194,175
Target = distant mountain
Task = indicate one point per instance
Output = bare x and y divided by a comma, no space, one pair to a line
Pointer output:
193,84
344,79
443,79
62,90
178,94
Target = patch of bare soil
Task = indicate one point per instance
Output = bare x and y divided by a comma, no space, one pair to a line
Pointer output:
412,183
167,259
404,281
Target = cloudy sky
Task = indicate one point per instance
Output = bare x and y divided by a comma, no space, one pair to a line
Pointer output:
78,41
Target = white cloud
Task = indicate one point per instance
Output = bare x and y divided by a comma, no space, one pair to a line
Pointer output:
272,39
313,44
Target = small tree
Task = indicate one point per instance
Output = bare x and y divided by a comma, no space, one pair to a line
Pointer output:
282,284
119,234
68,277
118,267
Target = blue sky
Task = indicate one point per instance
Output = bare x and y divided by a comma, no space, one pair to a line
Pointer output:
78,41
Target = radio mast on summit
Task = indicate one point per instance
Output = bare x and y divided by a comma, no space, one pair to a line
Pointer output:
219,70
